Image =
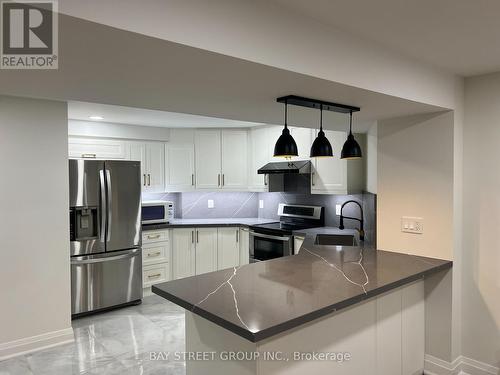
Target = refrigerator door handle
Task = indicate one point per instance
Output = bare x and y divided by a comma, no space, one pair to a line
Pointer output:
105,258
110,202
103,206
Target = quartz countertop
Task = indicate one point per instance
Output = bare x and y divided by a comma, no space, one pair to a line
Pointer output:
259,300
219,222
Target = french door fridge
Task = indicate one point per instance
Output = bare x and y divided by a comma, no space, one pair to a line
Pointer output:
105,234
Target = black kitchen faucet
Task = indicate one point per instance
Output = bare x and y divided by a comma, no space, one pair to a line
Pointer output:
361,221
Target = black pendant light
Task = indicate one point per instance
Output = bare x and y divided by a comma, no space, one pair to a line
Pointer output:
285,145
351,149
321,146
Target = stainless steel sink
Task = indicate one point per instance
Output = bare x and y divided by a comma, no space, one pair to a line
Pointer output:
336,240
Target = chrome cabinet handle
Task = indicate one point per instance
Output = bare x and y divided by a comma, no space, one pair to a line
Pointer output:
149,179
150,237
192,179
197,237
237,235
192,236
218,180
154,254
223,179
154,276
93,156
144,179
265,179
312,179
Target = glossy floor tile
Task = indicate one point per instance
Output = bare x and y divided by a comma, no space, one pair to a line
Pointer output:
115,342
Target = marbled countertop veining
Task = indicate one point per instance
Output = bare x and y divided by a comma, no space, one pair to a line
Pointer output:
259,300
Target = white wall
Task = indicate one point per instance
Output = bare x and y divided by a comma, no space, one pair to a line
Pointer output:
371,159
415,178
34,224
481,204
112,130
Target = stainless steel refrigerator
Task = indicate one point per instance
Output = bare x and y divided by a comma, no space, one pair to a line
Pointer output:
105,234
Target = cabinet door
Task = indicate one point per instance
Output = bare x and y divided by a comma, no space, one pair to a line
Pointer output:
234,159
304,139
180,167
208,159
330,175
96,148
138,153
183,252
228,254
206,250
155,164
244,246
260,155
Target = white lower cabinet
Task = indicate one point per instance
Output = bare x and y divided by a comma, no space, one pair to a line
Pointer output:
156,258
228,248
297,243
206,250
244,246
200,250
183,252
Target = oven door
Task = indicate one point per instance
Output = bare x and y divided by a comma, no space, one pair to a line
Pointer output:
266,246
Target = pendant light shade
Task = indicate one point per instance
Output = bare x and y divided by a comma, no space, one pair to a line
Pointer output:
351,149
321,146
285,145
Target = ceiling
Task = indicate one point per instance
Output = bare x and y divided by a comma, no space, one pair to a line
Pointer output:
460,36
96,66
148,117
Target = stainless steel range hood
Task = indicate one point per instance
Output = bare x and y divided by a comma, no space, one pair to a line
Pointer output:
300,166
288,176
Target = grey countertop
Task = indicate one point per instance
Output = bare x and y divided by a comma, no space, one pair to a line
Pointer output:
219,222
259,300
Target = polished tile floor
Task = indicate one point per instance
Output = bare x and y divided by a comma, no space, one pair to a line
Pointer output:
116,342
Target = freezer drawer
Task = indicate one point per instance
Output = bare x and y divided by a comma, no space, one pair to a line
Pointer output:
103,281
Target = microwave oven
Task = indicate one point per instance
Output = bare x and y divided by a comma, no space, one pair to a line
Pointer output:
156,212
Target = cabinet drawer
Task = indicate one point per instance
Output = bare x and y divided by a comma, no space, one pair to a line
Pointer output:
156,252
152,236
155,273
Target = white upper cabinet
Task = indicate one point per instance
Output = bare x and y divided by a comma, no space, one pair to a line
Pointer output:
152,158
97,148
234,159
304,138
206,250
208,159
259,156
334,175
180,167
229,247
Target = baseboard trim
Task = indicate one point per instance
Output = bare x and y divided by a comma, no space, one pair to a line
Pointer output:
460,366
34,343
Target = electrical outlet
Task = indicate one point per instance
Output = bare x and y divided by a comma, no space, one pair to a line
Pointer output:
337,209
412,225
261,203
211,203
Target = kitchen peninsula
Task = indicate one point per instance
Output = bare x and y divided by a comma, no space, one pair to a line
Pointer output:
365,304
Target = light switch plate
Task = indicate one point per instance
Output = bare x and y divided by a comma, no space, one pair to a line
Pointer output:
261,203
211,203
411,224
337,209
